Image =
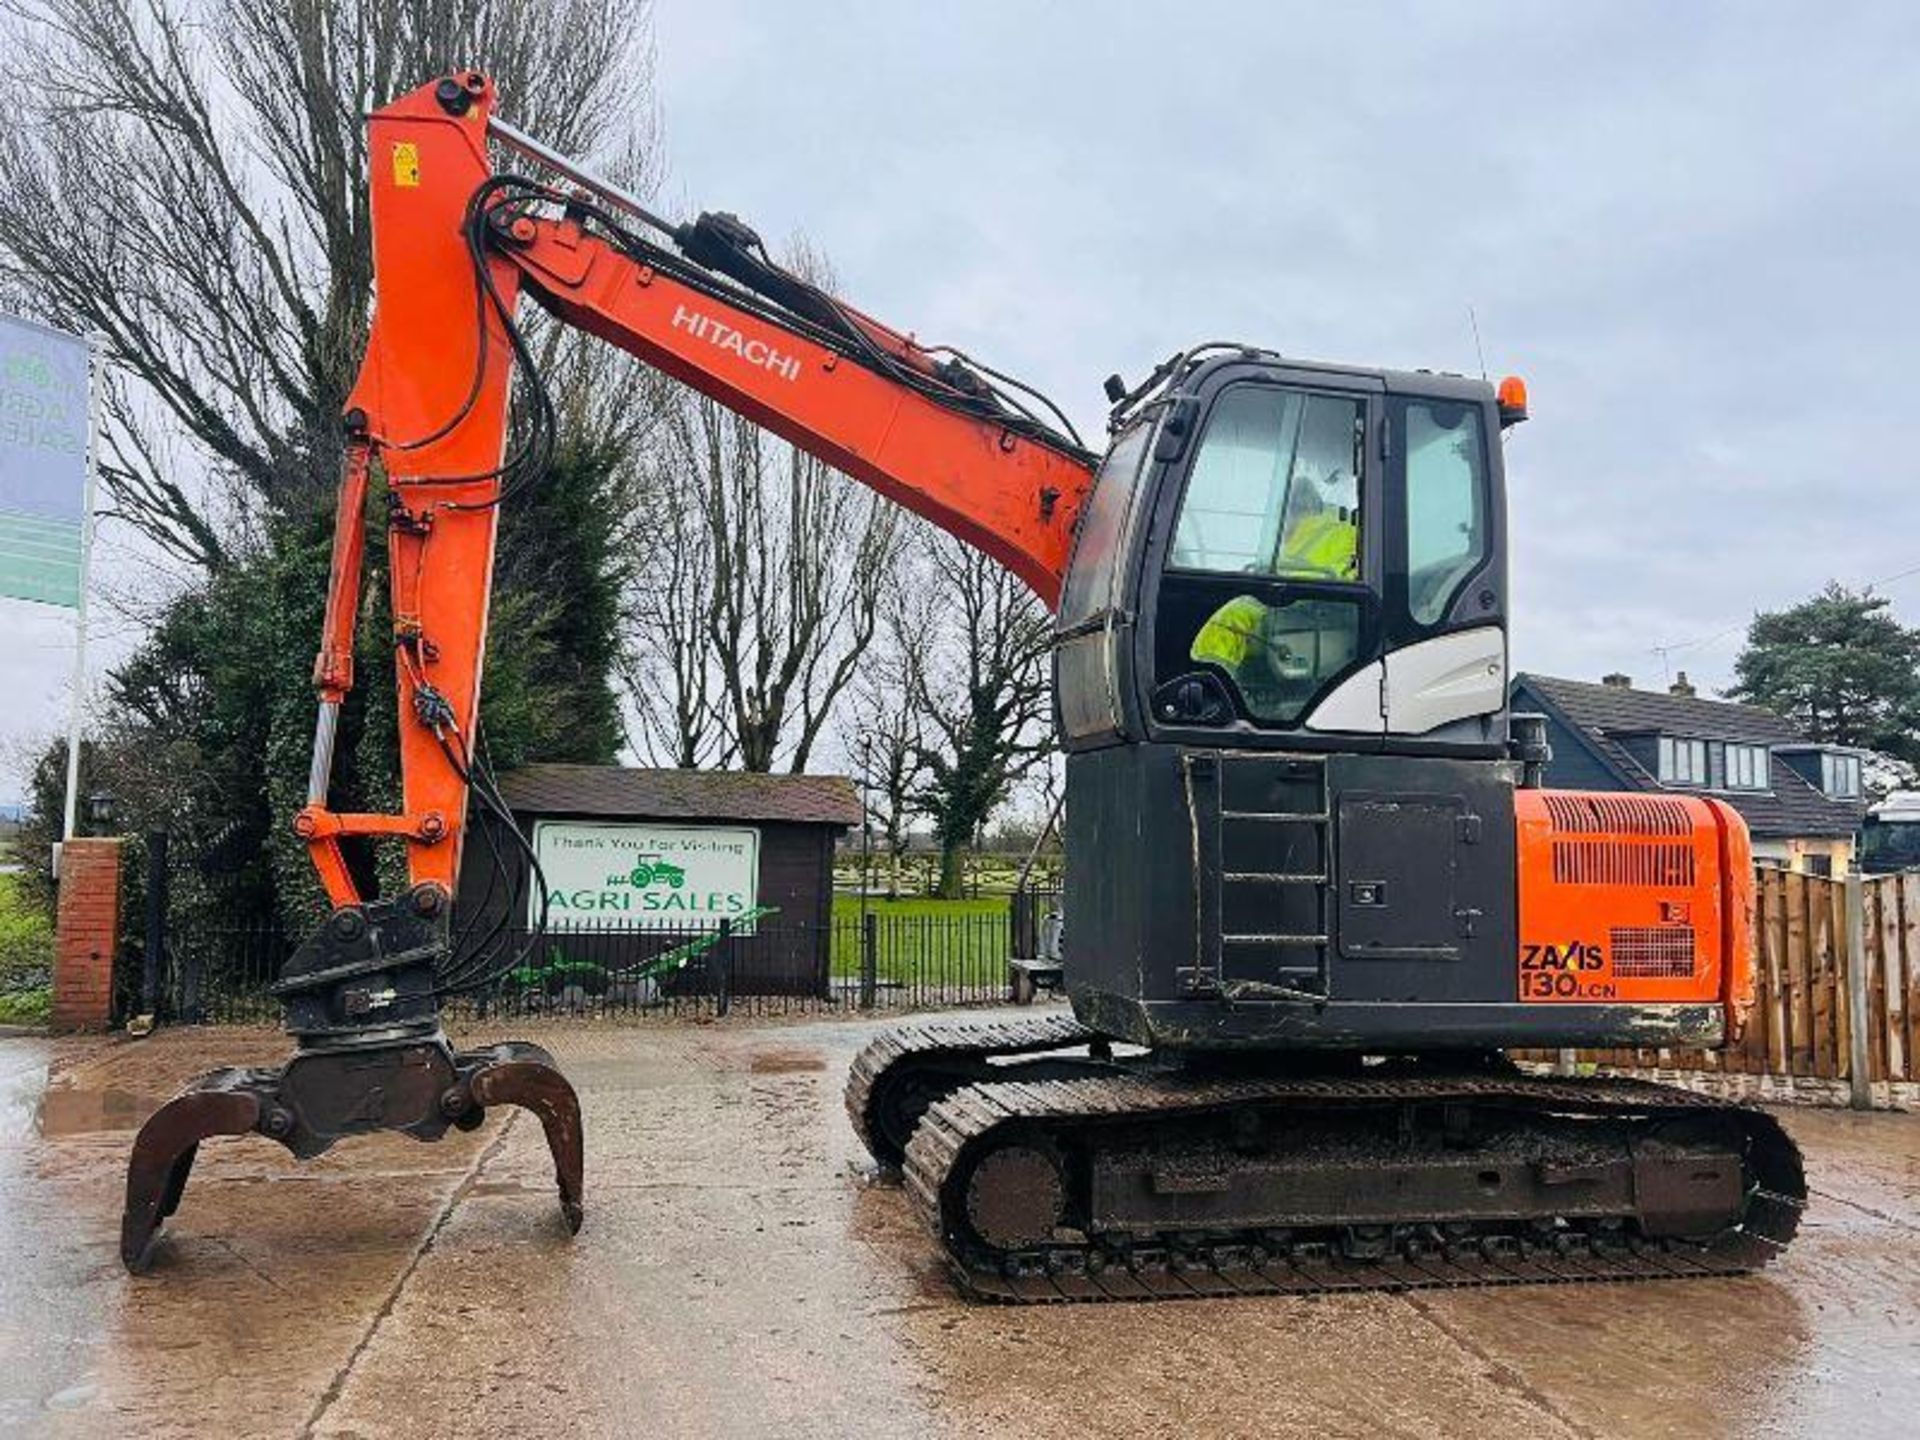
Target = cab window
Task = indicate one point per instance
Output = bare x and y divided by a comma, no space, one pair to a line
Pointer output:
1084,657
1275,488
1446,503
1260,606
1093,581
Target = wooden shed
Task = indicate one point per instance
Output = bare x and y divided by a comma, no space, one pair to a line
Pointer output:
644,862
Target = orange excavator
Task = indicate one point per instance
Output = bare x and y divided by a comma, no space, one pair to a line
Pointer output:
1315,889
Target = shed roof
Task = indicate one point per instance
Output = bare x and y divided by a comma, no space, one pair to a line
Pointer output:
619,790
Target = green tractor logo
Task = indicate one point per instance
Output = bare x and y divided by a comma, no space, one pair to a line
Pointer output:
652,870
22,369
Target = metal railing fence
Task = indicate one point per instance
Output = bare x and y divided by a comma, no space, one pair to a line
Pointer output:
768,966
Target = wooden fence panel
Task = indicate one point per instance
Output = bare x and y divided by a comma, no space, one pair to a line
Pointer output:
1910,958
1773,960
1829,1007
1875,897
1773,955
1838,943
1752,1057
1798,955
1898,962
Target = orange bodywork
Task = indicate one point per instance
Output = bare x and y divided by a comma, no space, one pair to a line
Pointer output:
1007,496
430,410
1634,899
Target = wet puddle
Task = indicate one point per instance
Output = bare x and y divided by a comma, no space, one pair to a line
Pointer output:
785,1062
20,1094
88,1112
32,1108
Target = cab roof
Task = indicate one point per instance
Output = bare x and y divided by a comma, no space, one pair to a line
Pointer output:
1442,384
1189,369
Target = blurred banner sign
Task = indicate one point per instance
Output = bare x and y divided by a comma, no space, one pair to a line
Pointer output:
45,417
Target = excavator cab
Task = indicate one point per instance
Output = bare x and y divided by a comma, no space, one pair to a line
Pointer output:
1282,638
1284,556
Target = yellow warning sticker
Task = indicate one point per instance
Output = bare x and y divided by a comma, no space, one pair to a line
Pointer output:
406,163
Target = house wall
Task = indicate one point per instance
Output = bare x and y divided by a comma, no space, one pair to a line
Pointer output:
1573,767
1645,750
1804,763
1803,856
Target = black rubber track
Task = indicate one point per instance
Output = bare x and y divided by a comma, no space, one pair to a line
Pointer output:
1251,1263
936,1045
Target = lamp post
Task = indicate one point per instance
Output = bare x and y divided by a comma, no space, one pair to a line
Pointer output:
866,824
869,944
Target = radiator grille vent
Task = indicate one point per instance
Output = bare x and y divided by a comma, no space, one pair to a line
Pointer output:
1609,862
1577,814
1652,952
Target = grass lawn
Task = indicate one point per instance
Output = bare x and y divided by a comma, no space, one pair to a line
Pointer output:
846,908
26,958
922,941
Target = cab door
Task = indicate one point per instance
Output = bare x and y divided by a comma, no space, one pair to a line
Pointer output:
1263,576
1444,619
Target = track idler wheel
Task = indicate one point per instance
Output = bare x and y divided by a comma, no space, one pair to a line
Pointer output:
1016,1197
419,1087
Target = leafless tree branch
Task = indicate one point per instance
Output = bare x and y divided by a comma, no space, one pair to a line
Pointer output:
188,179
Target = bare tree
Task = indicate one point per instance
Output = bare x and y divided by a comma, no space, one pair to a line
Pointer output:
668,672
760,587
188,178
792,561
981,685
888,730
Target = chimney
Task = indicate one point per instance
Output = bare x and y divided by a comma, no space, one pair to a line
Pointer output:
1682,687
1617,681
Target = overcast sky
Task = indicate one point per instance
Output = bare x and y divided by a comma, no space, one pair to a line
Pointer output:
1694,229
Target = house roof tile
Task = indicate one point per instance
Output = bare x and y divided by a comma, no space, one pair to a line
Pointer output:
1622,711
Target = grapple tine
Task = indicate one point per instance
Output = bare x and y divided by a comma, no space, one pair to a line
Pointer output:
163,1155
520,1074
372,1058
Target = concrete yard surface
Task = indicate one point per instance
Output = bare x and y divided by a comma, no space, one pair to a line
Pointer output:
740,1274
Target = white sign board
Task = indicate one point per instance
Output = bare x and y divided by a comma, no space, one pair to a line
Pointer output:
44,418
668,877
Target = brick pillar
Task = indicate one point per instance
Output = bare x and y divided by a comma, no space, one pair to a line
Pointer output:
88,934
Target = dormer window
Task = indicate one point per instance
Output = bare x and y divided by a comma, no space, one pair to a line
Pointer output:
1682,762
1840,775
1747,767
